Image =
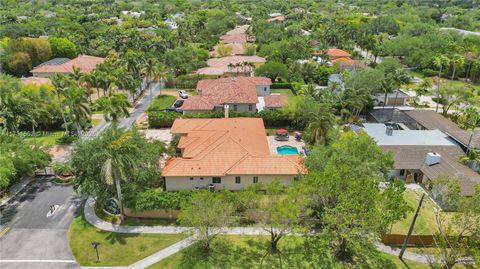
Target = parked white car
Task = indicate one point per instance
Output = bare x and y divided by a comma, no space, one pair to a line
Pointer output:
183,94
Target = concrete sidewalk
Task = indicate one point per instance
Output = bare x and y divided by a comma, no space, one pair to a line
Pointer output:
92,218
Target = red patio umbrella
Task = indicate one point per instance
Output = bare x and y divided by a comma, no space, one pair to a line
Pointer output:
281,131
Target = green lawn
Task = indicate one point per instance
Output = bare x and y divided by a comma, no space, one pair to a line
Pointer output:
425,223
161,102
47,138
286,92
248,252
115,249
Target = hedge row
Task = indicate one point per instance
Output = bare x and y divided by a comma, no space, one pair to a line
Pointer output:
165,119
159,199
187,81
281,85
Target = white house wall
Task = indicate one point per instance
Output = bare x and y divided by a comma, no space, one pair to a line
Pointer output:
185,183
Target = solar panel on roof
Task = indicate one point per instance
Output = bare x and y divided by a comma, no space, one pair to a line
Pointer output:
55,61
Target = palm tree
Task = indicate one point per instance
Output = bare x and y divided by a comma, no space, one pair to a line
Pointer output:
387,86
78,108
77,75
400,77
89,80
119,164
456,60
470,120
439,62
61,86
321,120
16,110
148,69
116,108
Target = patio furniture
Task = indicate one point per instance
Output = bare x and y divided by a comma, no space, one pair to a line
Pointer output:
282,135
298,136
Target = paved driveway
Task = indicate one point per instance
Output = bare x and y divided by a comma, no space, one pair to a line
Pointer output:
30,238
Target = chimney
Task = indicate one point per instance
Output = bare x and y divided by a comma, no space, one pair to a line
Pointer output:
432,158
226,109
389,130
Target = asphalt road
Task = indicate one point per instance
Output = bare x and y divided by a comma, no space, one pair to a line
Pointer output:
31,239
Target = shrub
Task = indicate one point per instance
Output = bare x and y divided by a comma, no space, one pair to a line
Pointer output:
162,119
281,85
188,81
159,199
165,119
99,104
66,139
62,169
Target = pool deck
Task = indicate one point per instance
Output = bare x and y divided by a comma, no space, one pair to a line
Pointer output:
273,144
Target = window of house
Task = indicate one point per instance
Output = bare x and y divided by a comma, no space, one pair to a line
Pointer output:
238,180
264,89
250,107
201,178
234,107
191,178
216,180
255,179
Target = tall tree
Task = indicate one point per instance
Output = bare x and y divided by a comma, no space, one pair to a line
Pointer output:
208,213
470,120
439,62
78,109
115,108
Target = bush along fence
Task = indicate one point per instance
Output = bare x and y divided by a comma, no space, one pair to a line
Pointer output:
164,119
188,81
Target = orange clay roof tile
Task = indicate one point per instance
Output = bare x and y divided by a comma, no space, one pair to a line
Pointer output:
217,147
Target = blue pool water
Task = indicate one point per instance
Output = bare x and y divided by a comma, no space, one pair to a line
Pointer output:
287,150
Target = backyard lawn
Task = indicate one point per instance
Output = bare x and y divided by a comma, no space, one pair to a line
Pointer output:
425,223
116,249
161,102
248,252
47,138
286,92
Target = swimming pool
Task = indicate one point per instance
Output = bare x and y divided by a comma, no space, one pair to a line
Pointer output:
287,150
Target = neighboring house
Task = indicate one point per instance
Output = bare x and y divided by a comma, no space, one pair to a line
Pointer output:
230,153
133,14
341,58
85,63
236,39
277,19
35,80
395,98
240,93
275,101
429,119
232,65
421,156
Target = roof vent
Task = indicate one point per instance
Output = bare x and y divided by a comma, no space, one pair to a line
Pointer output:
432,158
389,130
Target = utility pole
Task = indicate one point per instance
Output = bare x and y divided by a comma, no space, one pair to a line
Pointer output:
410,230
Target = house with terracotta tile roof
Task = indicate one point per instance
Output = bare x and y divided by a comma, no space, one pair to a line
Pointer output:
277,19
340,57
85,63
232,65
236,39
230,153
239,93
